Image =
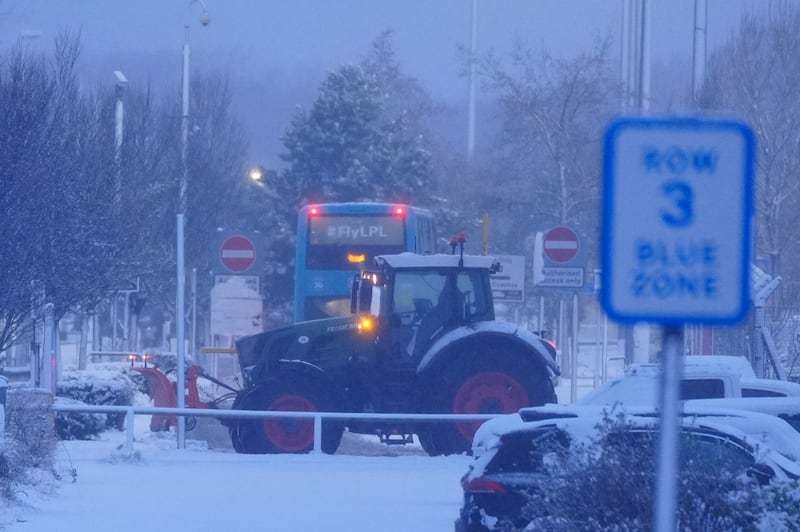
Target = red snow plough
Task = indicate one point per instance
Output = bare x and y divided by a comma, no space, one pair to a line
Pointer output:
164,393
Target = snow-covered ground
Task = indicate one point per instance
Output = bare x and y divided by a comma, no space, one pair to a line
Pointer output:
161,488
366,486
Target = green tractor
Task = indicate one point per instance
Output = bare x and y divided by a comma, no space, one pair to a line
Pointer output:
422,338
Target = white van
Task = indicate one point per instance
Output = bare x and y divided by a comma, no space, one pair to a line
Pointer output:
704,377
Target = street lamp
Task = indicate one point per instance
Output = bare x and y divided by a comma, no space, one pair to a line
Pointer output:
471,93
180,311
257,175
261,177
205,20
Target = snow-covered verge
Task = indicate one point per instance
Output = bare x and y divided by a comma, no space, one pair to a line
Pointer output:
160,488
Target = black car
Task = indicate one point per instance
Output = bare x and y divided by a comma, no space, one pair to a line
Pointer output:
566,463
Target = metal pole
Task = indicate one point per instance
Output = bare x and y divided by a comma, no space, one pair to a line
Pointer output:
758,341
119,115
471,94
573,383
624,56
193,338
634,51
605,347
485,242
55,356
562,337
665,499
644,73
598,358
541,314
114,322
699,48
184,126
180,319
126,318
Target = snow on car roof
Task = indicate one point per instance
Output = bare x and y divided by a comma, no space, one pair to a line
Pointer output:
769,435
436,260
760,426
776,406
639,384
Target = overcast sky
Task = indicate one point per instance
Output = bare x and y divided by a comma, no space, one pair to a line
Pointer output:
279,50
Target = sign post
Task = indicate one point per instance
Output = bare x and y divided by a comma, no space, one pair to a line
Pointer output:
676,219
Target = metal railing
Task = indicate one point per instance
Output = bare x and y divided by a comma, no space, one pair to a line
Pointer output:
131,411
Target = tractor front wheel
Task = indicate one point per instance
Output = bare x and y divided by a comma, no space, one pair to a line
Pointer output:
286,434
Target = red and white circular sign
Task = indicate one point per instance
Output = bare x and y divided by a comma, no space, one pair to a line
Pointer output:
561,244
237,253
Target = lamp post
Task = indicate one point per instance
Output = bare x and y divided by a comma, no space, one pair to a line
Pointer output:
205,20
119,114
180,312
119,111
471,93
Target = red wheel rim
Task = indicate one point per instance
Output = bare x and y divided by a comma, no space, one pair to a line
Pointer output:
491,392
290,435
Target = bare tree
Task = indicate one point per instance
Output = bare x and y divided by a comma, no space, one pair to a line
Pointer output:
755,74
68,237
546,165
55,180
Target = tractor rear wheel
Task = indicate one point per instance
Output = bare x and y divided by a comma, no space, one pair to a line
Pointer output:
289,393
493,382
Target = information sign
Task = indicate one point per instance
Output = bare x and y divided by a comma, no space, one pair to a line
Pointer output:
677,210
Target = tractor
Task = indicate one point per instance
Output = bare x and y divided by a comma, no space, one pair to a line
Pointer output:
422,338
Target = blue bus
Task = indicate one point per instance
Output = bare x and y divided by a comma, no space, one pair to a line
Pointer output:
335,240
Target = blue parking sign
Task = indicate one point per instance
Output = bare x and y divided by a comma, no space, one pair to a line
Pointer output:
676,221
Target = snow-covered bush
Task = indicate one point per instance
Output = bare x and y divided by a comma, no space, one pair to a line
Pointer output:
608,484
29,423
13,472
98,387
28,450
78,425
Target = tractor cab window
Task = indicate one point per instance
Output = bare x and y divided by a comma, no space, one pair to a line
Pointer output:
473,296
375,302
425,304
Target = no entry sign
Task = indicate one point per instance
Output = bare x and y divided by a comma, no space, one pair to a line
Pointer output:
237,253
561,244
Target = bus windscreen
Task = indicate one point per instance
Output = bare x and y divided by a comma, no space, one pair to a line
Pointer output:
350,242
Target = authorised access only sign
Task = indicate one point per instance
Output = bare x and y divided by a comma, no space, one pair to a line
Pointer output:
677,212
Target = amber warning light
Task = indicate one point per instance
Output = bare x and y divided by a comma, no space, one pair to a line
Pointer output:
354,258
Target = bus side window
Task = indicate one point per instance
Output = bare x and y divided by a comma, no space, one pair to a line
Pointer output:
425,235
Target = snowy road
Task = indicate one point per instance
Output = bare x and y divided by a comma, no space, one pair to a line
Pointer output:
199,490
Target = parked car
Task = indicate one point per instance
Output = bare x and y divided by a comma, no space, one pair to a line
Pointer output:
786,408
517,458
770,421
704,377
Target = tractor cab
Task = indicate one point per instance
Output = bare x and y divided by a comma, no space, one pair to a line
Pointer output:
412,300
